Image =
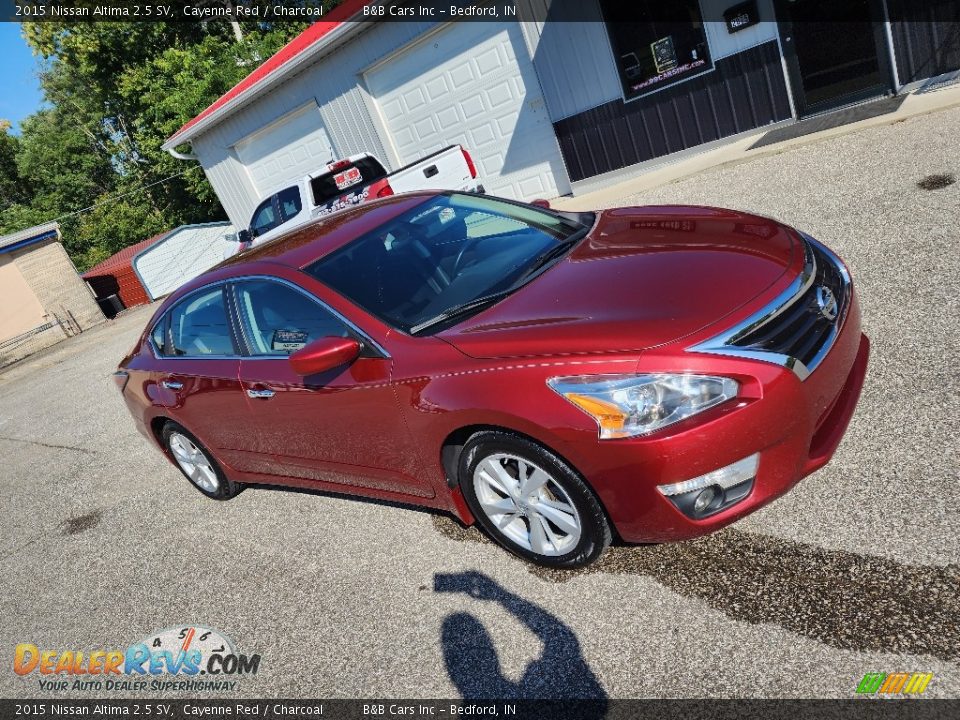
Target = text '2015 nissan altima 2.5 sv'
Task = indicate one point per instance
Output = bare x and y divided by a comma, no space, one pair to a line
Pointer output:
653,372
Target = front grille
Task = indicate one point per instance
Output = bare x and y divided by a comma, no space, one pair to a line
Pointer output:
797,329
801,329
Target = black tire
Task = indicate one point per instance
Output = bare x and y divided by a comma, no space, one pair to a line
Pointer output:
224,488
594,530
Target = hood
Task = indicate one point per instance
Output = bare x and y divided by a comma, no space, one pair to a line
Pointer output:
642,277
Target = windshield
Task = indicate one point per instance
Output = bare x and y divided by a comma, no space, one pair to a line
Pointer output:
448,252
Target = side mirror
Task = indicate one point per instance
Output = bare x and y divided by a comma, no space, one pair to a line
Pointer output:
244,236
540,202
324,354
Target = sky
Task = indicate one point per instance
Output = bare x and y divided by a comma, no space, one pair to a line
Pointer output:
19,87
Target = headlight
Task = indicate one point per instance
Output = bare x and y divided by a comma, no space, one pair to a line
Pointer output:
628,405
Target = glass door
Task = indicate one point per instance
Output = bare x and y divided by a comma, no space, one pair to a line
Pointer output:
835,51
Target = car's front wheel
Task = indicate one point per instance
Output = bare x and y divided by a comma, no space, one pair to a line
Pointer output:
531,501
197,464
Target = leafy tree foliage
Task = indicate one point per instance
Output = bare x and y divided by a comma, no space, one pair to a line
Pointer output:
12,187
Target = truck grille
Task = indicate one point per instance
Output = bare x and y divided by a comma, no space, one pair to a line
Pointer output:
797,329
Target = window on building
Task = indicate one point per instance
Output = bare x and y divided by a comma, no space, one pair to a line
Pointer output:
656,44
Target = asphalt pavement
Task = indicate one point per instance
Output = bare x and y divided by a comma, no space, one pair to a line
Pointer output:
855,571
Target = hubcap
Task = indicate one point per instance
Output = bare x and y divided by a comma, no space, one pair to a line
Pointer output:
526,504
194,463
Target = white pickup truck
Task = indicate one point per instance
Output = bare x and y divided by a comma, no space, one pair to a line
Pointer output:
349,182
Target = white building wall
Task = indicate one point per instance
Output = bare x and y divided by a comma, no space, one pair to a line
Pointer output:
573,60
574,64
335,82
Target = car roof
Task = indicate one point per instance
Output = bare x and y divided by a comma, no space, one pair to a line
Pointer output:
310,242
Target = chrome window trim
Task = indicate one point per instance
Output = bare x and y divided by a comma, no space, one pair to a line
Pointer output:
365,338
722,344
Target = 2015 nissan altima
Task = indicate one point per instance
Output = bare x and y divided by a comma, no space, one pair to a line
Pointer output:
654,373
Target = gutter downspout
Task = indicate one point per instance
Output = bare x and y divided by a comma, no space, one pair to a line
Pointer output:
182,156
888,32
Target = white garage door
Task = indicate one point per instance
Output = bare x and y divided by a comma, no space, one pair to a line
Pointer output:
473,83
285,150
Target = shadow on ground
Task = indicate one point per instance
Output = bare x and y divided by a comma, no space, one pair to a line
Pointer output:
473,663
845,600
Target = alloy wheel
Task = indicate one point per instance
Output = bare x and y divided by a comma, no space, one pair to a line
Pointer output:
194,463
527,504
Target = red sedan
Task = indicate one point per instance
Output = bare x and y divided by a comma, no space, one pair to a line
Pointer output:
653,372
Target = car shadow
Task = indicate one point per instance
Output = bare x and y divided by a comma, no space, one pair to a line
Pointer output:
472,662
845,600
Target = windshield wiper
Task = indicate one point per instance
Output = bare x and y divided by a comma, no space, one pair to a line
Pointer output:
460,309
549,256
542,261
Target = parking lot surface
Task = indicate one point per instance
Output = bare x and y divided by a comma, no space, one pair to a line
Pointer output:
856,570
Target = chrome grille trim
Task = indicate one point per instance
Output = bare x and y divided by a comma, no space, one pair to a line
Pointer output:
726,343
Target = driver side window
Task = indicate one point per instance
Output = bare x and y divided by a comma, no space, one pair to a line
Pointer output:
264,218
277,319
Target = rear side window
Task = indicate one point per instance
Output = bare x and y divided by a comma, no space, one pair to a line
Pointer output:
277,320
199,326
160,335
290,203
351,176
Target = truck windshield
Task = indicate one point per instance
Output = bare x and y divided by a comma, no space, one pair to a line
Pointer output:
444,259
346,178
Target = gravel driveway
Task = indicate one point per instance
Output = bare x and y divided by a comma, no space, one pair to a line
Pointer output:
854,571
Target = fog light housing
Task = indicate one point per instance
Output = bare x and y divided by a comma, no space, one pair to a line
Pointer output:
704,498
714,491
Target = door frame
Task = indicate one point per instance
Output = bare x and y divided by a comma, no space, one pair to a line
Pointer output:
795,79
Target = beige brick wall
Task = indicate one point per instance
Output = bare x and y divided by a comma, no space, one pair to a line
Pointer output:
20,310
61,291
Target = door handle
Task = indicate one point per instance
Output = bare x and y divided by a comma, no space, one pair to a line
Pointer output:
430,171
172,384
263,393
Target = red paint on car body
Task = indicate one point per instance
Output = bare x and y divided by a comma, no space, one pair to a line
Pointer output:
636,293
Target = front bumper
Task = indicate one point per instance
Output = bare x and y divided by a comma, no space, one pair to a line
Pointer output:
794,425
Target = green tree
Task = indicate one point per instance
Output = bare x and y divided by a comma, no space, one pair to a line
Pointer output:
115,92
64,166
174,87
13,189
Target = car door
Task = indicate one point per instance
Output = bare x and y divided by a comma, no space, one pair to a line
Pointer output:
199,382
342,426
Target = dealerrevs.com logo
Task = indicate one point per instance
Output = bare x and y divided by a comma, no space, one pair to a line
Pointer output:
198,658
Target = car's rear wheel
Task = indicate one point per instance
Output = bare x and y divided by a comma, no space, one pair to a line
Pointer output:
197,464
531,501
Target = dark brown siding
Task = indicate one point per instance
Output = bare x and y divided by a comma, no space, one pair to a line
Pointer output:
926,37
745,91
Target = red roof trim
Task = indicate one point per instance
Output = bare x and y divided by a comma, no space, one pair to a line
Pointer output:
122,258
335,18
